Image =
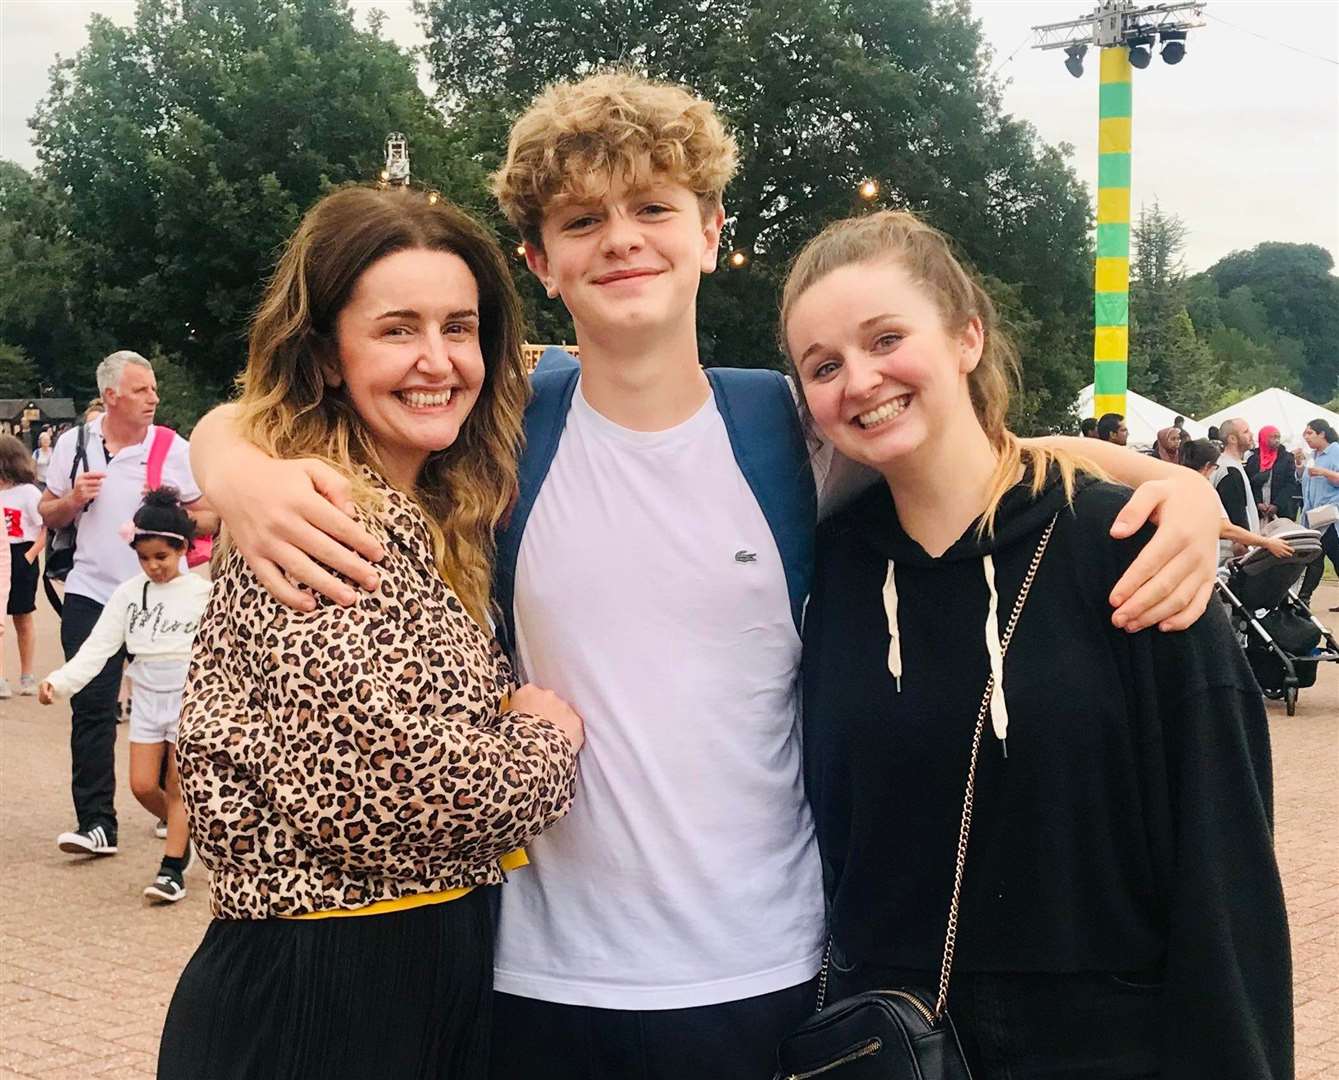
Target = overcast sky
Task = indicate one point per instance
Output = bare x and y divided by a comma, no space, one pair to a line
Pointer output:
1241,139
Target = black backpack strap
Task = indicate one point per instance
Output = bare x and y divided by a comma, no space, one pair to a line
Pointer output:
770,449
545,419
80,453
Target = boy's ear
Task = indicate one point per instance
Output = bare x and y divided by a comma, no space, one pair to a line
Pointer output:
712,224
538,261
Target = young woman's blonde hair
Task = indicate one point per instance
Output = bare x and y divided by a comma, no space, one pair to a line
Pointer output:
927,256
576,137
287,409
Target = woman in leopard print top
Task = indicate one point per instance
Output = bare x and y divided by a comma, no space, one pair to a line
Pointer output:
374,760
351,755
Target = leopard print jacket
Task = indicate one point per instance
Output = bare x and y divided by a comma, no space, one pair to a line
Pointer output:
340,757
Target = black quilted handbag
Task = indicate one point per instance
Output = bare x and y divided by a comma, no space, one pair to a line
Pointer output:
904,1033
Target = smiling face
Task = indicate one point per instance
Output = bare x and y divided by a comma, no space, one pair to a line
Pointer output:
630,262
409,355
882,376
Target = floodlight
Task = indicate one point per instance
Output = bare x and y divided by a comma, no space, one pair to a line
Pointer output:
738,259
1173,46
1141,50
1074,59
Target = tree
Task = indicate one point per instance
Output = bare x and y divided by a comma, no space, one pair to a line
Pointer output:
1168,362
18,377
39,281
1294,288
821,94
190,144
182,399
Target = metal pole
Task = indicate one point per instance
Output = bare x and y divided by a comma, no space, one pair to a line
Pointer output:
1111,294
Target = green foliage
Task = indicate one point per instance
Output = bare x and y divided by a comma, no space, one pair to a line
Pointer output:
191,143
18,376
182,398
1286,295
1168,362
39,281
1262,318
820,94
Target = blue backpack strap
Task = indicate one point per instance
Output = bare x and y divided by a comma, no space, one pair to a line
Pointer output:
545,419
555,358
769,446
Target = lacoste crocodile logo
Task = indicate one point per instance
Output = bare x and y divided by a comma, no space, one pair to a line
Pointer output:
745,556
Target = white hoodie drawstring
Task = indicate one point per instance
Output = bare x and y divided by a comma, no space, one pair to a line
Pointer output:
999,712
890,608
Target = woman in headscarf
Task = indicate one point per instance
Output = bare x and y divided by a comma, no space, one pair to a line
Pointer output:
1168,446
1273,478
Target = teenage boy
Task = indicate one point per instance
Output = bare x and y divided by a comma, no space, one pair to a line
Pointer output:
672,924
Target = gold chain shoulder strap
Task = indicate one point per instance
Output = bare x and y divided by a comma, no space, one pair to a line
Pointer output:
965,829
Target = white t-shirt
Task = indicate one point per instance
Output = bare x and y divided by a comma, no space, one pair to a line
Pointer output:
19,505
651,595
102,558
155,623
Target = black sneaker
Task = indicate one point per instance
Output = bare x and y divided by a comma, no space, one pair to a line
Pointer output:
94,841
167,888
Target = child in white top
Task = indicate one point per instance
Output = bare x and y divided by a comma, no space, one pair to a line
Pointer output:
154,615
24,536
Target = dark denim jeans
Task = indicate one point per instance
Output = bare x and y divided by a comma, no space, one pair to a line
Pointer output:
1089,1026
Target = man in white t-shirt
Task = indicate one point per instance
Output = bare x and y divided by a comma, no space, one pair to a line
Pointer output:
107,488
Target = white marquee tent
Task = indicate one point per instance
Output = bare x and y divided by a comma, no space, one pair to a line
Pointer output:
1144,417
1287,412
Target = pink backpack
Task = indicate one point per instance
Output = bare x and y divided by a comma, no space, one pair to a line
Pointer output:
202,547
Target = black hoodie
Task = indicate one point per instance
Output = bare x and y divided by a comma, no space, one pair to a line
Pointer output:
1129,826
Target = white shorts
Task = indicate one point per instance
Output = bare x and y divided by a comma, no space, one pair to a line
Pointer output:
154,712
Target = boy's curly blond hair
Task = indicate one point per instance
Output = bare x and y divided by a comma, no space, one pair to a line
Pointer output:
577,136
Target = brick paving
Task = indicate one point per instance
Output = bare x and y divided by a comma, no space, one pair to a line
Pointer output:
87,967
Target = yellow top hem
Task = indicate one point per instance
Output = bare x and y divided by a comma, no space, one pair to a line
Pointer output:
513,860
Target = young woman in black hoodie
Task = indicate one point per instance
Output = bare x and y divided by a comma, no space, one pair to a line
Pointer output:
1121,910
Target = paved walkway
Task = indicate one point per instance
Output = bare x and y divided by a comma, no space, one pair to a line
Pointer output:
87,967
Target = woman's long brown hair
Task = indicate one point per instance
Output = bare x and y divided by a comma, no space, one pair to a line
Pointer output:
287,409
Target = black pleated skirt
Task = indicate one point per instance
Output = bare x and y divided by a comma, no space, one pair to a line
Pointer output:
405,996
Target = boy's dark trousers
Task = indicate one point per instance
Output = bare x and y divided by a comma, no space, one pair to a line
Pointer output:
92,723
736,1040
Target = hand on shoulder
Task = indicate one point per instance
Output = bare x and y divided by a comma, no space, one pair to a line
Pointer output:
1171,579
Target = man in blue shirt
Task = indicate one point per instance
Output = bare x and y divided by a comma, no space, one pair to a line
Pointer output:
1320,487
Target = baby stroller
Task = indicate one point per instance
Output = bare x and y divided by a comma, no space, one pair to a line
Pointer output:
1284,642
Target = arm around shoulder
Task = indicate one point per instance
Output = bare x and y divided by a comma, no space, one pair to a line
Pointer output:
304,523
1170,583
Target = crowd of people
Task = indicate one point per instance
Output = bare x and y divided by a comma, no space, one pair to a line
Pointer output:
1261,484
613,755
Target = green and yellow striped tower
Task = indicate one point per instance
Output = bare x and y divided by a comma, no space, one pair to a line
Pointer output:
1111,301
